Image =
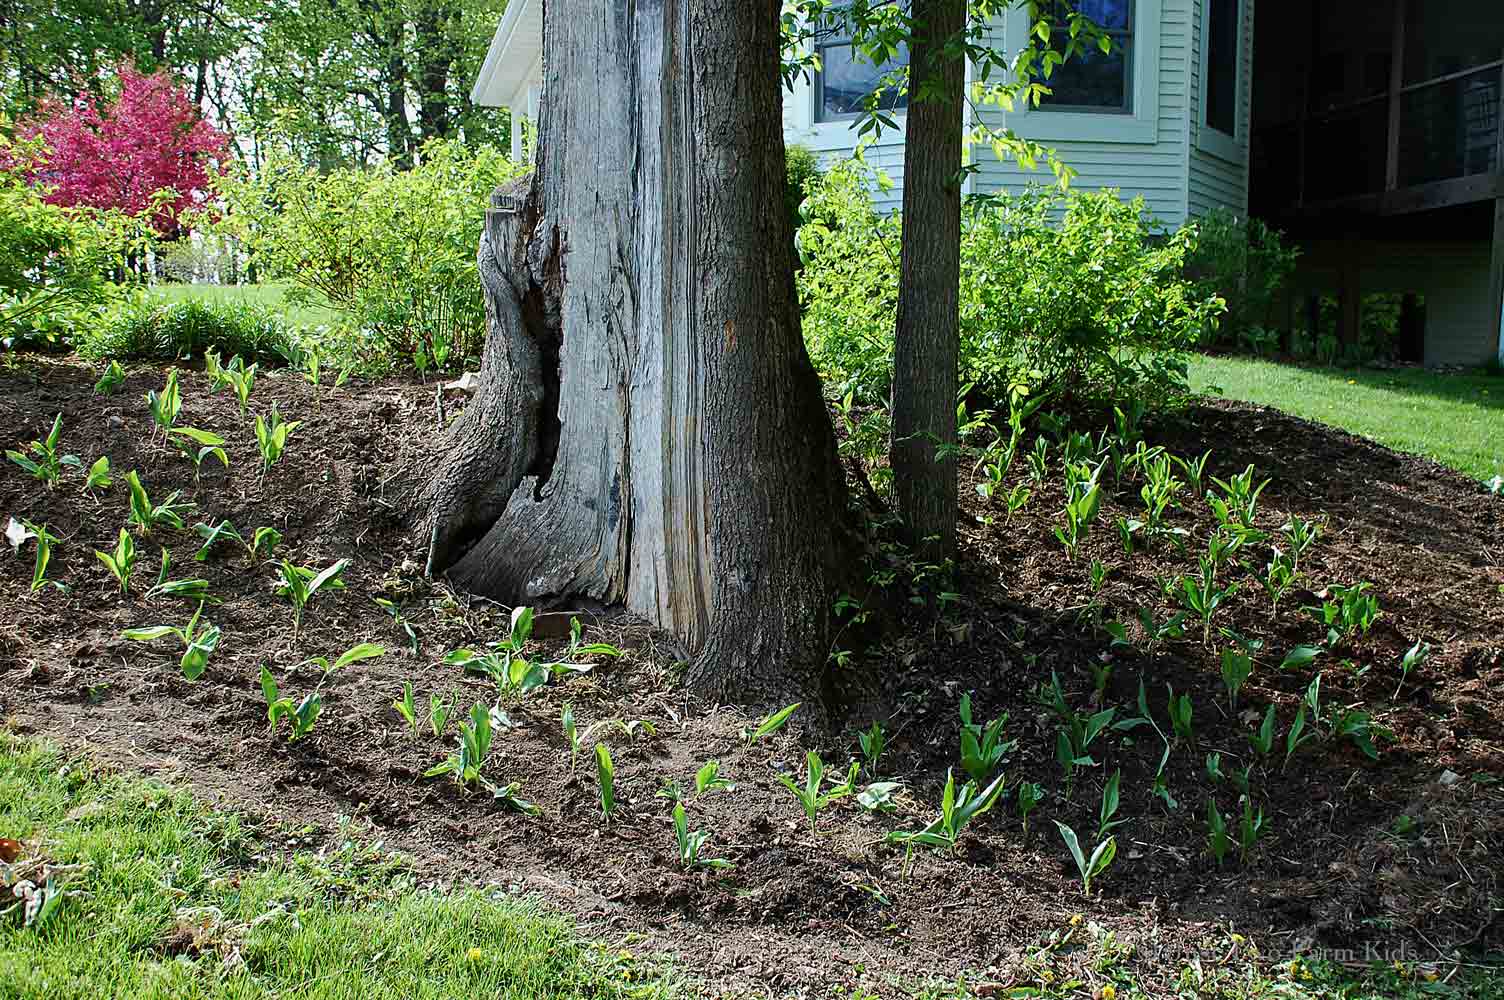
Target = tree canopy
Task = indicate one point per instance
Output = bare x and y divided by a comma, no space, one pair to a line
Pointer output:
147,153
340,81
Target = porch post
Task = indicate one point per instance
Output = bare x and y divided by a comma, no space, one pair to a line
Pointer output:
1496,259
1396,81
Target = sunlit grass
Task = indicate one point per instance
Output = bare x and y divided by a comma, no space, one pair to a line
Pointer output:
271,296
1456,419
149,870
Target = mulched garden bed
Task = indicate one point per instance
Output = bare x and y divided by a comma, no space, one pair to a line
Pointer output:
1339,865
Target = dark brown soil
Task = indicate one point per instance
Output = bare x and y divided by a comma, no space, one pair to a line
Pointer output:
803,911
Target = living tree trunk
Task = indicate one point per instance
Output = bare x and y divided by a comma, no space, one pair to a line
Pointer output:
399,136
434,28
650,431
927,339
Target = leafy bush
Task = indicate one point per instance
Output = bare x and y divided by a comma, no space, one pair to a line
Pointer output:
394,250
848,280
1078,289
53,261
146,326
802,168
1246,263
1065,291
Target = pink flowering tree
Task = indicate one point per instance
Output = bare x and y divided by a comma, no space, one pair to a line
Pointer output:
149,153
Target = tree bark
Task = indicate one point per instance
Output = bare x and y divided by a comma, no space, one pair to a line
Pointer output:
399,135
650,431
433,29
927,335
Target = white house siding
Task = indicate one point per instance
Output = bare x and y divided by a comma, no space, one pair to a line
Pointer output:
1155,166
1144,154
1214,180
838,139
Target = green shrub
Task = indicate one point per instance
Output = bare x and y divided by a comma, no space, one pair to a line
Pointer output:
803,168
848,281
149,327
1060,291
1246,263
395,251
1081,290
54,262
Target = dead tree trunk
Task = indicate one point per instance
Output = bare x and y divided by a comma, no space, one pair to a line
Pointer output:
650,431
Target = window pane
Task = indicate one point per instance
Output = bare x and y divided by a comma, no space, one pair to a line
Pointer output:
847,79
1222,65
1110,14
1090,79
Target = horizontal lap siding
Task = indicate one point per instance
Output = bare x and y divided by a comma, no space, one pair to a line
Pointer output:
1173,176
1215,182
1156,170
887,156
833,141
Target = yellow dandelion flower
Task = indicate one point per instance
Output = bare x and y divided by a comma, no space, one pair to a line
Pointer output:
475,954
1075,920
1109,992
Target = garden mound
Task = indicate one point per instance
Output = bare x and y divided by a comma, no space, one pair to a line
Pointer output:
1387,857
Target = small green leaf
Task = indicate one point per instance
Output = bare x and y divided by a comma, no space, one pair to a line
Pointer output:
1300,656
206,438
150,634
773,723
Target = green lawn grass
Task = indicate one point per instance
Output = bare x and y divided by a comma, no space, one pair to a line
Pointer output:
145,865
1455,419
271,296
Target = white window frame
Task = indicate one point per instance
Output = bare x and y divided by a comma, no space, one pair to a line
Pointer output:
817,88
1213,140
1108,125
837,135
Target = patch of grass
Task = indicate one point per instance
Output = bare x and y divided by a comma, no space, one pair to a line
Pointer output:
1455,419
170,899
271,297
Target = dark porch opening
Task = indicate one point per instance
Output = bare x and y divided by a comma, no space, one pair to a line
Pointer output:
1378,123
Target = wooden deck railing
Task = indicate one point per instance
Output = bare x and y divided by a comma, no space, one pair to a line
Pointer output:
1440,131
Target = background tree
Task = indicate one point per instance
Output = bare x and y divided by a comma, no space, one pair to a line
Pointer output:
650,431
336,81
70,48
343,81
147,153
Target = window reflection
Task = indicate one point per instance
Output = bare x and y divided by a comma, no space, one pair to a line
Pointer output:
1092,80
847,78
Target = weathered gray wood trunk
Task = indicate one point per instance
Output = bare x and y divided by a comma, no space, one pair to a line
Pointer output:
650,431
